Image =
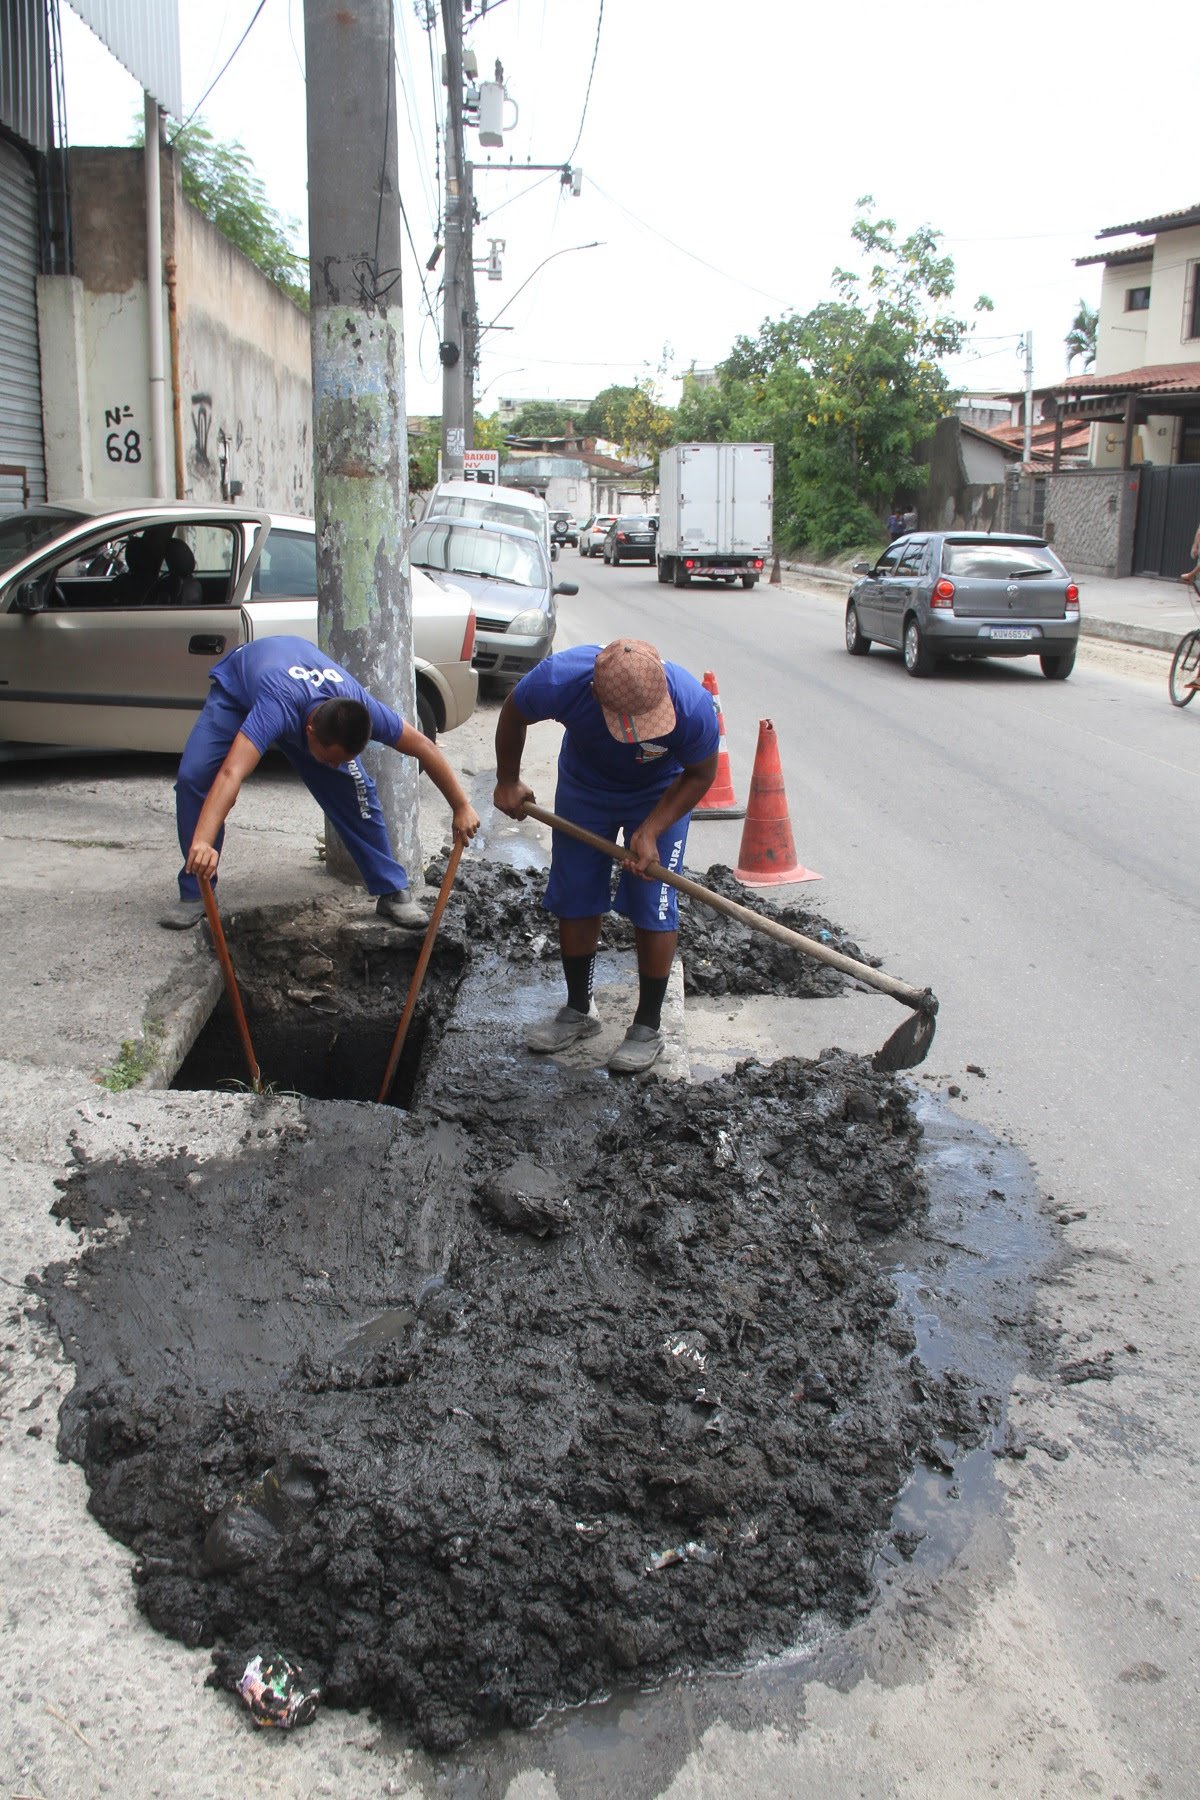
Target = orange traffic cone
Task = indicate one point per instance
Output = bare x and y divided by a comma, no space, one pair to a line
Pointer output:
768,856
720,802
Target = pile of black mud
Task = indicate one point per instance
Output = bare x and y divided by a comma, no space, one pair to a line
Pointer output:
555,1384
719,955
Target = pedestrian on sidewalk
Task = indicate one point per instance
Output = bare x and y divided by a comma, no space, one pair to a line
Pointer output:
282,693
639,750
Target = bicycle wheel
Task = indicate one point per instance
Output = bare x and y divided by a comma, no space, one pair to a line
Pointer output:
1185,669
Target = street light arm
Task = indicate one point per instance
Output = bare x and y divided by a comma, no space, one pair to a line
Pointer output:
597,244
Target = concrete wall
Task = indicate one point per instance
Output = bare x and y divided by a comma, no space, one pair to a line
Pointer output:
1090,519
1154,441
1133,340
1121,335
244,361
244,374
951,499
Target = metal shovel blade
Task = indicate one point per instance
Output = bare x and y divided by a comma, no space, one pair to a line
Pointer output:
908,1044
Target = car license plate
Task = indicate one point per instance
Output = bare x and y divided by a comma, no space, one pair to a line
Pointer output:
1011,633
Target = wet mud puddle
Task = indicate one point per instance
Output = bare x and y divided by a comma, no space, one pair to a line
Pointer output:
550,1384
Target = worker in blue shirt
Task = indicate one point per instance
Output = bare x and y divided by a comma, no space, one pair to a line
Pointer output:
639,750
283,693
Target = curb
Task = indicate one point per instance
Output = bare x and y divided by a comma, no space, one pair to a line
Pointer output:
1145,637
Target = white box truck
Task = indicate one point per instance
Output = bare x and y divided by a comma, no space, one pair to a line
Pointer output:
714,512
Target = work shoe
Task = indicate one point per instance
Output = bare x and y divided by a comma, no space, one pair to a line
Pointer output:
401,909
566,1027
182,916
641,1046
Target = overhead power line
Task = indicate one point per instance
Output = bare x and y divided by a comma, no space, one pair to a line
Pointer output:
587,96
212,84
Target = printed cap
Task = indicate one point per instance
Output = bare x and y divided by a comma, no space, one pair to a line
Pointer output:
630,684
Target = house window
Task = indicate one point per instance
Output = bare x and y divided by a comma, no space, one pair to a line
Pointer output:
1137,299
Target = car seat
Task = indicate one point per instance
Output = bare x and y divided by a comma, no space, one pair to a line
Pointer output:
178,585
142,563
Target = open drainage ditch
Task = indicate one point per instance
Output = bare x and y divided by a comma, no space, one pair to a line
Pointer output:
549,1384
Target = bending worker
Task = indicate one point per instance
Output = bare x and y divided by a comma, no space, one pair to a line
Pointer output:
283,693
639,749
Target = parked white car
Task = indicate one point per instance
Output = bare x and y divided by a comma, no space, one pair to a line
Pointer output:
111,618
493,505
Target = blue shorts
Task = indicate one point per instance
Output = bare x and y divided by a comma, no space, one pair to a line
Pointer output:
581,879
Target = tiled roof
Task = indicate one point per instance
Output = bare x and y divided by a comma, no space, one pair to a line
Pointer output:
1176,221
1135,253
1155,378
1076,436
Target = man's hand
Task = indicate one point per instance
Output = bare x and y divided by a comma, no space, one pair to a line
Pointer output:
642,850
510,797
202,859
466,822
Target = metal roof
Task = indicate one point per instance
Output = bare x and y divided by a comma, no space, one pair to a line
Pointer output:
1175,221
143,35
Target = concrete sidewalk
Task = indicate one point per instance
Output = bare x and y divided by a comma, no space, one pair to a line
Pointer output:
1138,609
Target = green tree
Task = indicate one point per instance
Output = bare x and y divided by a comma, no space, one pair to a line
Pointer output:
539,419
848,392
1081,339
489,432
606,416
647,425
219,181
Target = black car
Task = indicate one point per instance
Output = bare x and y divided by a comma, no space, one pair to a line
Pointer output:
631,539
563,528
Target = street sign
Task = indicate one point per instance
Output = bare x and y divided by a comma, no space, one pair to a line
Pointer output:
482,465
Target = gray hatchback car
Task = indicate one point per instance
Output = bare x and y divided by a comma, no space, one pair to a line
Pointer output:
943,594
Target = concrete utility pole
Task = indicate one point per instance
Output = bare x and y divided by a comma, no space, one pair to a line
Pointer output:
360,435
1028,450
457,346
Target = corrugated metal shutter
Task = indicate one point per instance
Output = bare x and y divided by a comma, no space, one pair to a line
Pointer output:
20,366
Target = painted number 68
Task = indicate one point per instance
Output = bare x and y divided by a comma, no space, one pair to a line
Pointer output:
127,449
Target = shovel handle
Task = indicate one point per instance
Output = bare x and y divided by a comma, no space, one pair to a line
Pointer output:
414,988
920,999
231,987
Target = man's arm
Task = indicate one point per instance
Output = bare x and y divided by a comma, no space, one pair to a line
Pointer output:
511,792
202,857
690,785
426,753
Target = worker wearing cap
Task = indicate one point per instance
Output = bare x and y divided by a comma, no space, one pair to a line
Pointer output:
639,749
283,693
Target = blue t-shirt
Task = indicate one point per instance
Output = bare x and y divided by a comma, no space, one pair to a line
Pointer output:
279,680
560,687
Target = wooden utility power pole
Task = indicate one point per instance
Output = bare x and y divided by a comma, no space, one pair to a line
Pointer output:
360,435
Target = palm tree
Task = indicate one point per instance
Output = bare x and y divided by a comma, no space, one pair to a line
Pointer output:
1081,339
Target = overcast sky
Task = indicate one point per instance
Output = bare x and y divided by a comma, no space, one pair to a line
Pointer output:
724,146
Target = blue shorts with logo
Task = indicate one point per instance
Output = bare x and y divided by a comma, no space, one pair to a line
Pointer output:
581,879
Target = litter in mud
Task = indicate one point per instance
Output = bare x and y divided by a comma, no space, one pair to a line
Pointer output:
275,1693
550,1384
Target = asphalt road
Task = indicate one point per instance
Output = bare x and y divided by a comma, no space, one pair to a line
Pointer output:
1027,849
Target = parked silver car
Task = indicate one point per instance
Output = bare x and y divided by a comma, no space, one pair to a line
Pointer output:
508,577
966,594
112,617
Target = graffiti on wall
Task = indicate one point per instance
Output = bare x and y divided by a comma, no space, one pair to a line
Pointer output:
201,426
